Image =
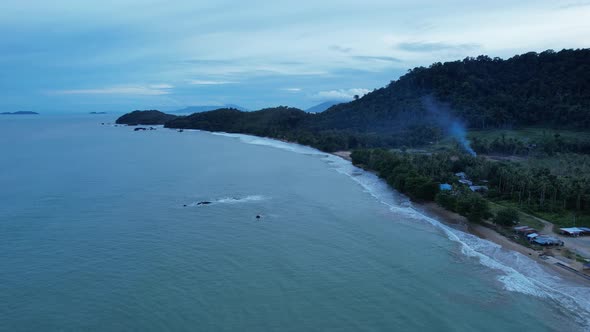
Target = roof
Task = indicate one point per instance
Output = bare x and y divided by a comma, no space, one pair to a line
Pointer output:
445,186
572,230
530,236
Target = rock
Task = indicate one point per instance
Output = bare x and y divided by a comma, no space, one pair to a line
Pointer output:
204,203
139,128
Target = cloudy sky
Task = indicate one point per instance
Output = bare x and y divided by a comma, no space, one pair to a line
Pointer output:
119,55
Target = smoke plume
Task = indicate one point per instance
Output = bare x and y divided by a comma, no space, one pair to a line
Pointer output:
441,114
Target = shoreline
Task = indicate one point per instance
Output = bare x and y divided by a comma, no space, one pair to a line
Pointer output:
456,221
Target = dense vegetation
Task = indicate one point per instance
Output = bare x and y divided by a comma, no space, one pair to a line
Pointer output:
550,88
152,117
531,189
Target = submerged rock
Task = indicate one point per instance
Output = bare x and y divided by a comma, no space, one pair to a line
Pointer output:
204,203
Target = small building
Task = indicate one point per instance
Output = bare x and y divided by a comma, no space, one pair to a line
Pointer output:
466,182
461,175
478,188
545,240
571,231
532,236
445,187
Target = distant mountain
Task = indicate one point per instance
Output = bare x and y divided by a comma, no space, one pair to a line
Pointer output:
207,108
319,108
96,113
19,113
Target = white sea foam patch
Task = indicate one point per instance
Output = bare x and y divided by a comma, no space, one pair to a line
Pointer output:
518,272
234,200
293,147
231,200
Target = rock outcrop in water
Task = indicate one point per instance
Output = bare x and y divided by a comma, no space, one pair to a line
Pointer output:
151,117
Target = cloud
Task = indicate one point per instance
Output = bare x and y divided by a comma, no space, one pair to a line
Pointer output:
376,58
292,89
435,46
575,5
341,94
151,90
209,82
340,49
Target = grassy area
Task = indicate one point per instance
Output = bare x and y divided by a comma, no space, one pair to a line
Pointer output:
525,219
530,133
565,219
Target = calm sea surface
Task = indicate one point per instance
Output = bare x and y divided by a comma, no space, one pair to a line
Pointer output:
94,236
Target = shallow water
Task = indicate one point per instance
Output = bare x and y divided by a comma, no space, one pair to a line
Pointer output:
94,235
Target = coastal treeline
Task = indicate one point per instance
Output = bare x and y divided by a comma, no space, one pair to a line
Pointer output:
529,188
550,89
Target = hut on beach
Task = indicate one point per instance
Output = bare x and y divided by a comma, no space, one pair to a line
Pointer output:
545,240
572,231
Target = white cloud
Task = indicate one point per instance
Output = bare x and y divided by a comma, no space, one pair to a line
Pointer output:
292,89
209,82
151,90
341,94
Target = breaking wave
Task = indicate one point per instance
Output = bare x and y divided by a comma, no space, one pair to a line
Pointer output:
231,200
518,273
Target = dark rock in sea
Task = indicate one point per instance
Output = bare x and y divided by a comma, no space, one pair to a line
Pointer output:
258,217
152,128
19,113
204,203
145,118
180,130
139,128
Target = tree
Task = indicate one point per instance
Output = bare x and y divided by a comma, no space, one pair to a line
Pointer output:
507,217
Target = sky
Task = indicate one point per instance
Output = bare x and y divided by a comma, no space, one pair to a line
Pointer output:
122,55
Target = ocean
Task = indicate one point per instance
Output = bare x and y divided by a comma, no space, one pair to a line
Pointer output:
101,230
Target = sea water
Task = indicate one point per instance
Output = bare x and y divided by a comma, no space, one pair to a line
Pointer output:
101,230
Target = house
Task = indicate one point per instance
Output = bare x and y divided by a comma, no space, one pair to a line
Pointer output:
545,240
478,188
445,187
571,231
466,182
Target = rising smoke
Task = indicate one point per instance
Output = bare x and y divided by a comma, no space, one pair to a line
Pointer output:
442,115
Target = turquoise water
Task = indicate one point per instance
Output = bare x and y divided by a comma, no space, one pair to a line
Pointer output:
94,236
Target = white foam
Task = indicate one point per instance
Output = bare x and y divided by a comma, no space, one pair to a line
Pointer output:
234,200
518,272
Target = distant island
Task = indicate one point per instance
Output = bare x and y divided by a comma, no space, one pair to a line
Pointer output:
96,113
19,113
498,141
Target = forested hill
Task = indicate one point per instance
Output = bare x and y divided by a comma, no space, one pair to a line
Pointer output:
548,88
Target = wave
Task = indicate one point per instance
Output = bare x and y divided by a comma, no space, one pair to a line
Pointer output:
231,200
518,273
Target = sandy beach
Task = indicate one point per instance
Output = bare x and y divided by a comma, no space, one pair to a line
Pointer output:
459,222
